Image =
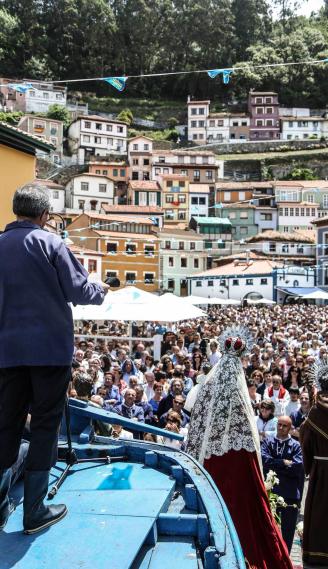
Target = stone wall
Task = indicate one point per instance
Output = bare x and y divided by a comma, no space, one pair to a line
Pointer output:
267,146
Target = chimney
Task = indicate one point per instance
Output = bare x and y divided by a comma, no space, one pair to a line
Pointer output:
188,99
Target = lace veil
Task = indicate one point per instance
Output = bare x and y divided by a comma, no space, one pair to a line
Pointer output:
222,418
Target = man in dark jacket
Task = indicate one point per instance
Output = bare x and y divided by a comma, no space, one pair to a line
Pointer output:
39,276
283,455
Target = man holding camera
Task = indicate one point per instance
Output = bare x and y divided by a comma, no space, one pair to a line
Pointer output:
39,276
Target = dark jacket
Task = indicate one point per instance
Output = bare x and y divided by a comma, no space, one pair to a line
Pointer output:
291,478
39,276
133,412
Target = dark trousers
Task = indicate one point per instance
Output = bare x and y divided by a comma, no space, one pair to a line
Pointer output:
41,391
288,518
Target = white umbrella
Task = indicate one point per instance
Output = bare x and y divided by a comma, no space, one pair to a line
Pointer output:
203,300
260,301
316,295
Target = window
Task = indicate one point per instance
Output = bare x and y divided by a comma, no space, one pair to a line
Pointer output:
181,245
192,246
84,186
232,215
259,110
183,172
297,211
210,283
194,111
313,211
87,124
242,196
266,216
171,261
98,126
165,171
181,198
193,159
183,263
269,110
92,266
93,205
149,250
291,212
220,122
130,278
161,159
310,198
235,282
198,283
59,96
202,201
209,174
212,122
182,184
146,147
201,111
302,211
243,230
120,129
196,263
149,278
86,138
308,211
130,248
259,123
181,215
97,139
226,196
194,201
81,204
249,282
193,124
102,188
234,123
268,100
258,100
272,247
243,123
201,124
169,198
243,215
169,214
109,127
135,147
196,175
264,281
31,93
55,194
111,248
269,122
286,211
122,173
46,95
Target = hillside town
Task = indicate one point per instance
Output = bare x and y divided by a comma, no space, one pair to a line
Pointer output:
175,218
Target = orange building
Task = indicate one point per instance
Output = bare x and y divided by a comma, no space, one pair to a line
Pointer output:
129,243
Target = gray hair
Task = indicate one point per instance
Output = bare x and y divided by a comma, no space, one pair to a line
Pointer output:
31,200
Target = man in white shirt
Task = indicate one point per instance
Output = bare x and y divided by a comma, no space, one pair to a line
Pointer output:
215,354
278,394
294,403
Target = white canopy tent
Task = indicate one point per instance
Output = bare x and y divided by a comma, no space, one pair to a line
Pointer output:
316,295
260,301
132,303
202,300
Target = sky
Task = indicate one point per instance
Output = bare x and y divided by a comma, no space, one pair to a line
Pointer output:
310,6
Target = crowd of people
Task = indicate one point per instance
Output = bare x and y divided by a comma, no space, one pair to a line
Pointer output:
129,381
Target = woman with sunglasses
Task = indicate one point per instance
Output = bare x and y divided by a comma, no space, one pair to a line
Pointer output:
266,422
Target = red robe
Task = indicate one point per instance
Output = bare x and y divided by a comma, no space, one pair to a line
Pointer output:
238,478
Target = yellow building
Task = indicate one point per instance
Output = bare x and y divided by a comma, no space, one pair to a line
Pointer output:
17,165
129,243
175,200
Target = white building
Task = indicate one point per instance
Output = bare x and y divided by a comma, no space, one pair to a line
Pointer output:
266,218
293,216
182,255
89,192
303,127
96,136
198,112
297,246
199,166
198,200
38,99
204,126
240,279
292,281
140,150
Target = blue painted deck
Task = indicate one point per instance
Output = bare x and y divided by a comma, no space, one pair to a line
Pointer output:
104,529
156,509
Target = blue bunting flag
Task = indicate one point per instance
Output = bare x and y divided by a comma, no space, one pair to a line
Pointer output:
21,87
117,82
212,73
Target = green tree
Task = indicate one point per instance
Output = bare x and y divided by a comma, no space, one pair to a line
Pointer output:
301,174
8,27
59,113
126,116
252,23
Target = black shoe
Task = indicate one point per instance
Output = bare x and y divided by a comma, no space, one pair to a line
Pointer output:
37,516
6,507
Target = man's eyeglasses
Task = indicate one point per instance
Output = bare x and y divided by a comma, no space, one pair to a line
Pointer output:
178,402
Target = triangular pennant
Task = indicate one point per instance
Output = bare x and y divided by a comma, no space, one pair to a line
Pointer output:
117,82
212,73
